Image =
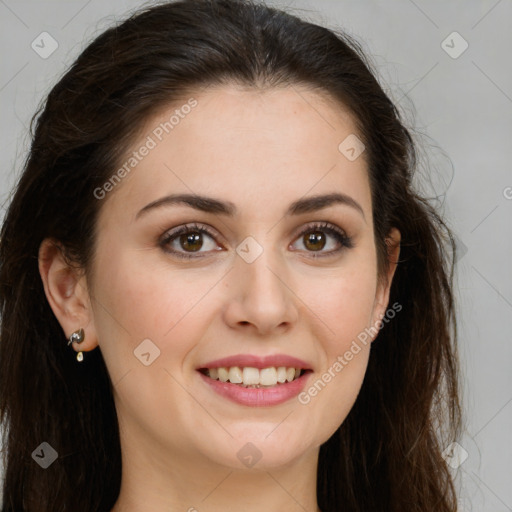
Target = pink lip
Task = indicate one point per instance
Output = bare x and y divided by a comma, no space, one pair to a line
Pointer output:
258,397
242,360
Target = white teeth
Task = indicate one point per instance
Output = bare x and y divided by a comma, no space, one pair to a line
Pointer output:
235,375
268,377
223,374
281,374
249,376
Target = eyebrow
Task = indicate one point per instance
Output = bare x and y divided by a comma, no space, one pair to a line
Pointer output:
215,206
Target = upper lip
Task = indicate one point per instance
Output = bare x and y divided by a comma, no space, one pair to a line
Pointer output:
260,362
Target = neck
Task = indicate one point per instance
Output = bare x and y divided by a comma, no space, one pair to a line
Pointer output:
157,480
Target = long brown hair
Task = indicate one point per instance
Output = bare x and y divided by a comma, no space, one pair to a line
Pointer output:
387,454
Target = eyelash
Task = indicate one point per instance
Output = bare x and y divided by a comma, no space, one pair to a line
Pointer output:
344,240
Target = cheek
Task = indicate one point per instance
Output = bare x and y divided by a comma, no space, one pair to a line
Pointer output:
346,312
135,302
344,302
139,299
145,310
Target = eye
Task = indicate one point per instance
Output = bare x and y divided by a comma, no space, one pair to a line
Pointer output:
315,238
187,241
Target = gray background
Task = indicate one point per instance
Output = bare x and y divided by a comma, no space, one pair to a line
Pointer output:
461,109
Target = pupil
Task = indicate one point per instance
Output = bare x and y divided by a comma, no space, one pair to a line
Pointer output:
315,238
189,240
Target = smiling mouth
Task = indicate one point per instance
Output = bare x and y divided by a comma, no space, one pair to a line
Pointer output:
250,377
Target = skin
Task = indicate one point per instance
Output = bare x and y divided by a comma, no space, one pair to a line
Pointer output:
260,150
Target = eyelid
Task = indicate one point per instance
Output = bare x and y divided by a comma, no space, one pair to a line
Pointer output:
320,224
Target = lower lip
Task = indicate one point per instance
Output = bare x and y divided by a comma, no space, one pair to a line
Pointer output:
258,397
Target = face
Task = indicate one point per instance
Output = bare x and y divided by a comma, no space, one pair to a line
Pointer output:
258,273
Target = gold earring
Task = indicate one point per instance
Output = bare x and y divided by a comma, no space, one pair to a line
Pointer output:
77,337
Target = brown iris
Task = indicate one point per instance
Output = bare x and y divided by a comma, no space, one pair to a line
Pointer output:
191,241
314,240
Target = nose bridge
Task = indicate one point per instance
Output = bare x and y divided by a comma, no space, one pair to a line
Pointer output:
260,295
260,274
258,264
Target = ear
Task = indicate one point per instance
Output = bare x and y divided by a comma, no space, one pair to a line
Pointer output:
384,283
66,290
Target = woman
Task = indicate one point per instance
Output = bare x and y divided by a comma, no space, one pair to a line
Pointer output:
218,288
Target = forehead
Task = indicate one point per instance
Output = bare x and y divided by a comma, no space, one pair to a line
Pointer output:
248,146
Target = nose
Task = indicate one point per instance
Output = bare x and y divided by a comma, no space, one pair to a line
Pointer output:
260,298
